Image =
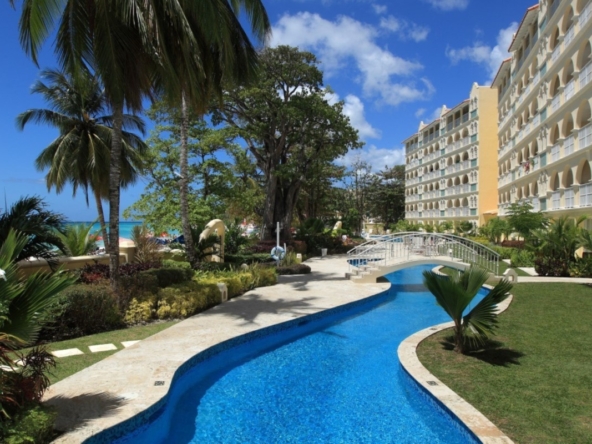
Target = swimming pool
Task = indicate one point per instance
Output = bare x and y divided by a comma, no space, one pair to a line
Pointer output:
334,378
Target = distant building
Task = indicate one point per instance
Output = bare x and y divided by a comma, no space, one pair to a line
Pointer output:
451,172
545,95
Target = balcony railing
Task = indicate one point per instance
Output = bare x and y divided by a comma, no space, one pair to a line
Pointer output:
585,15
536,120
585,137
555,153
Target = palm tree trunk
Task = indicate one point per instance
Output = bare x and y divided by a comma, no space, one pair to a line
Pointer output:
102,219
114,196
184,186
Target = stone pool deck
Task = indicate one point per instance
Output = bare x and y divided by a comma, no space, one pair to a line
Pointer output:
123,385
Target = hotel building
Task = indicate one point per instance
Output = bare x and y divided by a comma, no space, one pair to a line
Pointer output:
451,172
544,94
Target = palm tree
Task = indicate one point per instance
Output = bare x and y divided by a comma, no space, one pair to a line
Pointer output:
38,225
80,155
78,239
454,294
26,300
136,46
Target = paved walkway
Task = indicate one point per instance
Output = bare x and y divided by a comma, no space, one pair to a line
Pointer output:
131,380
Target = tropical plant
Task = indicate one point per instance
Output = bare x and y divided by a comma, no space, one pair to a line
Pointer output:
234,239
556,245
524,220
80,155
184,48
146,245
495,229
39,226
454,294
78,239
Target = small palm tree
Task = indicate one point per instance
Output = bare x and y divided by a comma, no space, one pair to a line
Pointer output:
78,239
454,294
41,227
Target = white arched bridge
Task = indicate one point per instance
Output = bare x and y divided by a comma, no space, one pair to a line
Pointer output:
385,254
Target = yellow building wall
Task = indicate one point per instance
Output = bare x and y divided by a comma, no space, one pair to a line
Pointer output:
488,147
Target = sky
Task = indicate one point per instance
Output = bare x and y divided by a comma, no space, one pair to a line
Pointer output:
394,63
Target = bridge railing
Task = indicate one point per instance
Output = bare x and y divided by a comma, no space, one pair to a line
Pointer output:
406,246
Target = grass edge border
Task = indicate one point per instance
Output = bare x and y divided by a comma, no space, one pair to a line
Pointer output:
473,419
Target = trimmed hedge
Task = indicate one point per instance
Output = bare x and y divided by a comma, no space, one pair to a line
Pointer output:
169,276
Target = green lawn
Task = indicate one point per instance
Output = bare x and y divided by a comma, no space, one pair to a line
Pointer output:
72,364
535,385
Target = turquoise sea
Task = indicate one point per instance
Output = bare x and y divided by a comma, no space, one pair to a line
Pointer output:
125,229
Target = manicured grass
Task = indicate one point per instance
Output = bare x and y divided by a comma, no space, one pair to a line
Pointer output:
72,364
535,383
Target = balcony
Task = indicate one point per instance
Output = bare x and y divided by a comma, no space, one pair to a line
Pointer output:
570,89
554,7
585,137
556,53
586,74
568,146
536,120
555,153
569,198
556,103
586,195
569,35
556,200
585,15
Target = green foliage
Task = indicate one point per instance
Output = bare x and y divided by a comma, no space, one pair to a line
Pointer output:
523,220
581,267
168,263
84,310
555,246
504,252
78,240
247,258
32,425
184,300
30,217
234,241
168,276
403,226
495,229
522,258
146,246
25,302
454,294
465,227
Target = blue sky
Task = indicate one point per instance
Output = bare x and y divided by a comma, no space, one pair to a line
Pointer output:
394,64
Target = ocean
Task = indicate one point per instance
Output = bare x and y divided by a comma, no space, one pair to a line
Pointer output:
125,229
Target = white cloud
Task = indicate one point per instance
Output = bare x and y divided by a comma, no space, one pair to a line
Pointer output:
379,9
378,158
448,5
404,29
420,112
353,108
490,57
345,40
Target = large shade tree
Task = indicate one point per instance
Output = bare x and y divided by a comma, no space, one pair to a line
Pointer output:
184,48
289,126
80,155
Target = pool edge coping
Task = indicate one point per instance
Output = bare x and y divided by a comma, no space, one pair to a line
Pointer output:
473,419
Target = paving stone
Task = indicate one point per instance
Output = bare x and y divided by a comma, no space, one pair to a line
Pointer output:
127,344
102,348
67,352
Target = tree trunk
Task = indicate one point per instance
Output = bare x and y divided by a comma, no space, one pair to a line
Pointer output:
104,232
114,196
290,197
269,208
184,186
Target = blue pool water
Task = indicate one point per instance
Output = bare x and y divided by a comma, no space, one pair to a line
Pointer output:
333,379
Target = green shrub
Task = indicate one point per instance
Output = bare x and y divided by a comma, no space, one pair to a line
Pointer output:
139,286
171,263
139,312
504,252
264,276
169,276
522,258
294,269
84,310
32,425
182,301
582,267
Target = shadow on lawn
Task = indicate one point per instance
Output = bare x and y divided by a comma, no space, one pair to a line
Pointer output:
493,352
77,411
